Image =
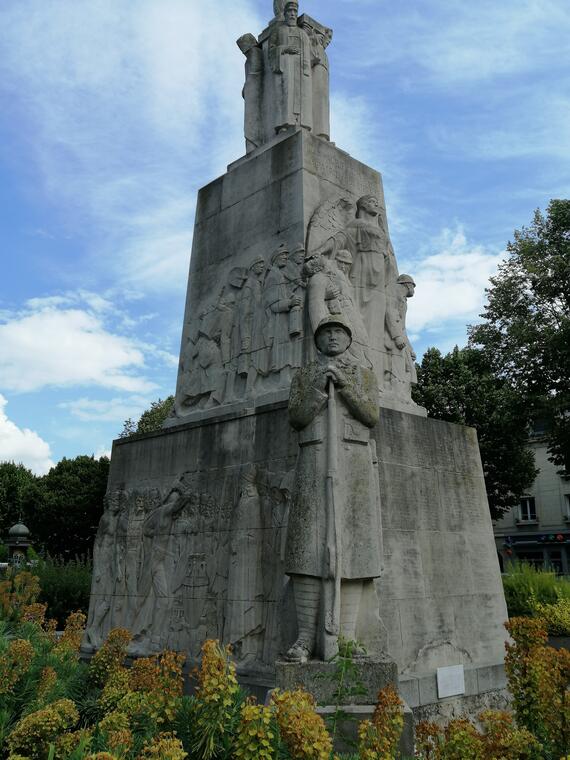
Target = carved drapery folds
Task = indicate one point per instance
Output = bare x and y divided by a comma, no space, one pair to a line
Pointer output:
286,77
179,566
247,340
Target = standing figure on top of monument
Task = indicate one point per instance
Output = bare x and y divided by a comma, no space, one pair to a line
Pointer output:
279,303
320,40
334,542
402,357
252,91
290,58
250,342
374,268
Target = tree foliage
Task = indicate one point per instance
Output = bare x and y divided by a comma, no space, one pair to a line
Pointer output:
15,479
462,387
526,328
150,420
62,509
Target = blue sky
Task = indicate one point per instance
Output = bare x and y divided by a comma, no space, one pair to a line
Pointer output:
113,113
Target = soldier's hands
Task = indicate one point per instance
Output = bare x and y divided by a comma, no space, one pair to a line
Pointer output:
292,51
400,342
336,375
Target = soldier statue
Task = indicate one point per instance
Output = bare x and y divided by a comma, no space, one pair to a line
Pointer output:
334,541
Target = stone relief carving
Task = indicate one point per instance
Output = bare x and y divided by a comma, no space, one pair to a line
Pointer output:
354,239
401,371
248,339
287,76
334,544
188,564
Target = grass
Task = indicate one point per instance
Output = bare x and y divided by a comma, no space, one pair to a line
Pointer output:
523,581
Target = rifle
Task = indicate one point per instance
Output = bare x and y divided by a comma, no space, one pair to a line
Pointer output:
333,549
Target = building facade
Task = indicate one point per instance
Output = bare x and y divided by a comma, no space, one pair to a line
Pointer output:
538,530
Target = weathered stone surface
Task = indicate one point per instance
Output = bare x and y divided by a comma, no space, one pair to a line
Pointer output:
434,609
253,304
318,678
334,536
347,735
286,77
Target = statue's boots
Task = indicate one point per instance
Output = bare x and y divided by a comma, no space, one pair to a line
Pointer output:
350,596
307,597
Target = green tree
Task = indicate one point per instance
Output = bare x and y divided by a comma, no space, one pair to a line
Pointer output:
526,328
150,420
15,480
462,387
63,508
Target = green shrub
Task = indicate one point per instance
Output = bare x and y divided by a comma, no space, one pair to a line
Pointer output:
524,582
65,586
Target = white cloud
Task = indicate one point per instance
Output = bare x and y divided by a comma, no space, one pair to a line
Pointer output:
127,110
451,282
22,446
111,410
465,44
103,451
66,346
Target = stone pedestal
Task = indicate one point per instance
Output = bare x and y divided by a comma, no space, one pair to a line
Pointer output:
318,678
440,601
321,679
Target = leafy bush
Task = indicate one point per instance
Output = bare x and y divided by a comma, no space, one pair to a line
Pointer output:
65,586
524,582
556,617
55,707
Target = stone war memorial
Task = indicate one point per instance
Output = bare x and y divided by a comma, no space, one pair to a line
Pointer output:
297,495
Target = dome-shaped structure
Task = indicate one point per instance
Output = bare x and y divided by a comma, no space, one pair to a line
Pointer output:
19,531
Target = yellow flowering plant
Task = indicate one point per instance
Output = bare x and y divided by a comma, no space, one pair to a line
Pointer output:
33,734
379,738
255,733
217,700
302,730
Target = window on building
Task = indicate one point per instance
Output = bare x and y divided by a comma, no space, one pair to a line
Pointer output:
567,499
527,509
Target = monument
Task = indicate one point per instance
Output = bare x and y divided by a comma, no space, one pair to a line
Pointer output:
297,494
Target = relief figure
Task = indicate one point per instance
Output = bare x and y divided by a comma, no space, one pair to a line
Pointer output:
401,370
244,615
279,303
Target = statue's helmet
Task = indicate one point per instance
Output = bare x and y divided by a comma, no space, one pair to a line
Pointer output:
257,260
283,248
406,279
344,256
291,4
334,321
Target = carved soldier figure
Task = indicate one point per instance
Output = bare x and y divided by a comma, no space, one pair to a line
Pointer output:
334,542
290,57
295,276
374,269
402,369
330,293
279,302
251,345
